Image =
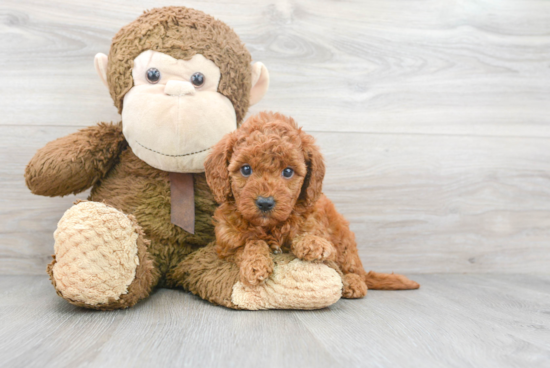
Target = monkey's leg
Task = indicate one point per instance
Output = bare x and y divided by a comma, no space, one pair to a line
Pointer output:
294,284
101,259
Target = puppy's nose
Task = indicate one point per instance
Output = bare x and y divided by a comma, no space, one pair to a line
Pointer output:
179,88
265,204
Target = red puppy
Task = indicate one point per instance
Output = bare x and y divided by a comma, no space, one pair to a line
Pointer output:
267,177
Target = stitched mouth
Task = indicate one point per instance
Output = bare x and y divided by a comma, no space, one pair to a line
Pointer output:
165,154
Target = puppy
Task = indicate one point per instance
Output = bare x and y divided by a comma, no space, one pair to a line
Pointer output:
267,177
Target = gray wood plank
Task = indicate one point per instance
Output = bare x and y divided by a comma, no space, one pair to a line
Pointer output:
444,169
470,67
442,203
452,321
417,203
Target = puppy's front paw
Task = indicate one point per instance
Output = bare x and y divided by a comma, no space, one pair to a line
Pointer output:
256,270
313,248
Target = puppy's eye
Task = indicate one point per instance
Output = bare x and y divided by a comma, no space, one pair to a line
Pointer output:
246,170
152,75
288,173
197,79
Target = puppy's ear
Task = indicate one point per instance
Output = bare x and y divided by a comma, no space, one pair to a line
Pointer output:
216,164
313,182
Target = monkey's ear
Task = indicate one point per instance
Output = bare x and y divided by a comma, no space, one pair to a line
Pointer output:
260,82
100,62
216,168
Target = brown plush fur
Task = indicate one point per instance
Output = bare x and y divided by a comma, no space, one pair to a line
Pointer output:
203,273
99,156
303,221
181,33
72,164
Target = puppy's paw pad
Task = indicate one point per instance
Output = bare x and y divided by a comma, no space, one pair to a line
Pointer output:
256,271
354,286
313,248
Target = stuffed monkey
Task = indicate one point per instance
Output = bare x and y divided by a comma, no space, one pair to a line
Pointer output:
181,80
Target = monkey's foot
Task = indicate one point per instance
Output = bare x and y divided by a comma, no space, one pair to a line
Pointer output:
294,284
100,261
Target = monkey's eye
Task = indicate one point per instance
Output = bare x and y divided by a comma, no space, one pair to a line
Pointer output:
197,79
288,173
246,170
152,75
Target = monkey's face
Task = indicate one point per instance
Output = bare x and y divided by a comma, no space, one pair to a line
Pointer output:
174,113
181,80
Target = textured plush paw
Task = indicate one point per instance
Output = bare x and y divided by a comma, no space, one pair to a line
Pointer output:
354,286
96,254
256,270
294,284
313,248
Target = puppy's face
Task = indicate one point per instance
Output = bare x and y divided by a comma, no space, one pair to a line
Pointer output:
266,173
267,167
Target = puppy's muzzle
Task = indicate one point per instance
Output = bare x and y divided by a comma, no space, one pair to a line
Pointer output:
265,204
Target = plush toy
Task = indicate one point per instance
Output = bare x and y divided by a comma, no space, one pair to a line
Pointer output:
181,80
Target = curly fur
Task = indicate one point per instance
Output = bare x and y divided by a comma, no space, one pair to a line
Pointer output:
304,221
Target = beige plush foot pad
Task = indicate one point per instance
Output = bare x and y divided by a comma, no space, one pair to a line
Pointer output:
294,284
96,253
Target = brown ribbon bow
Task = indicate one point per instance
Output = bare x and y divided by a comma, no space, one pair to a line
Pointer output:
182,195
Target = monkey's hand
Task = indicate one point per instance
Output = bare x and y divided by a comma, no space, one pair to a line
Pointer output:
308,247
74,163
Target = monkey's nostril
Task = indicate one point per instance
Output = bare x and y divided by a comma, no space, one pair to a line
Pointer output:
265,204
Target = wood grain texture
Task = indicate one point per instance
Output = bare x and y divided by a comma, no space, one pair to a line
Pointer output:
452,321
416,203
466,67
433,117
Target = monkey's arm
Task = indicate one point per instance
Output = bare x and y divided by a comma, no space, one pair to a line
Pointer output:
74,163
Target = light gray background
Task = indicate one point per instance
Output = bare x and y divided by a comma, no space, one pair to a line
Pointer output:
433,117
434,120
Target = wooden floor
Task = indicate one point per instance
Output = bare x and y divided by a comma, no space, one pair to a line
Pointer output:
452,321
